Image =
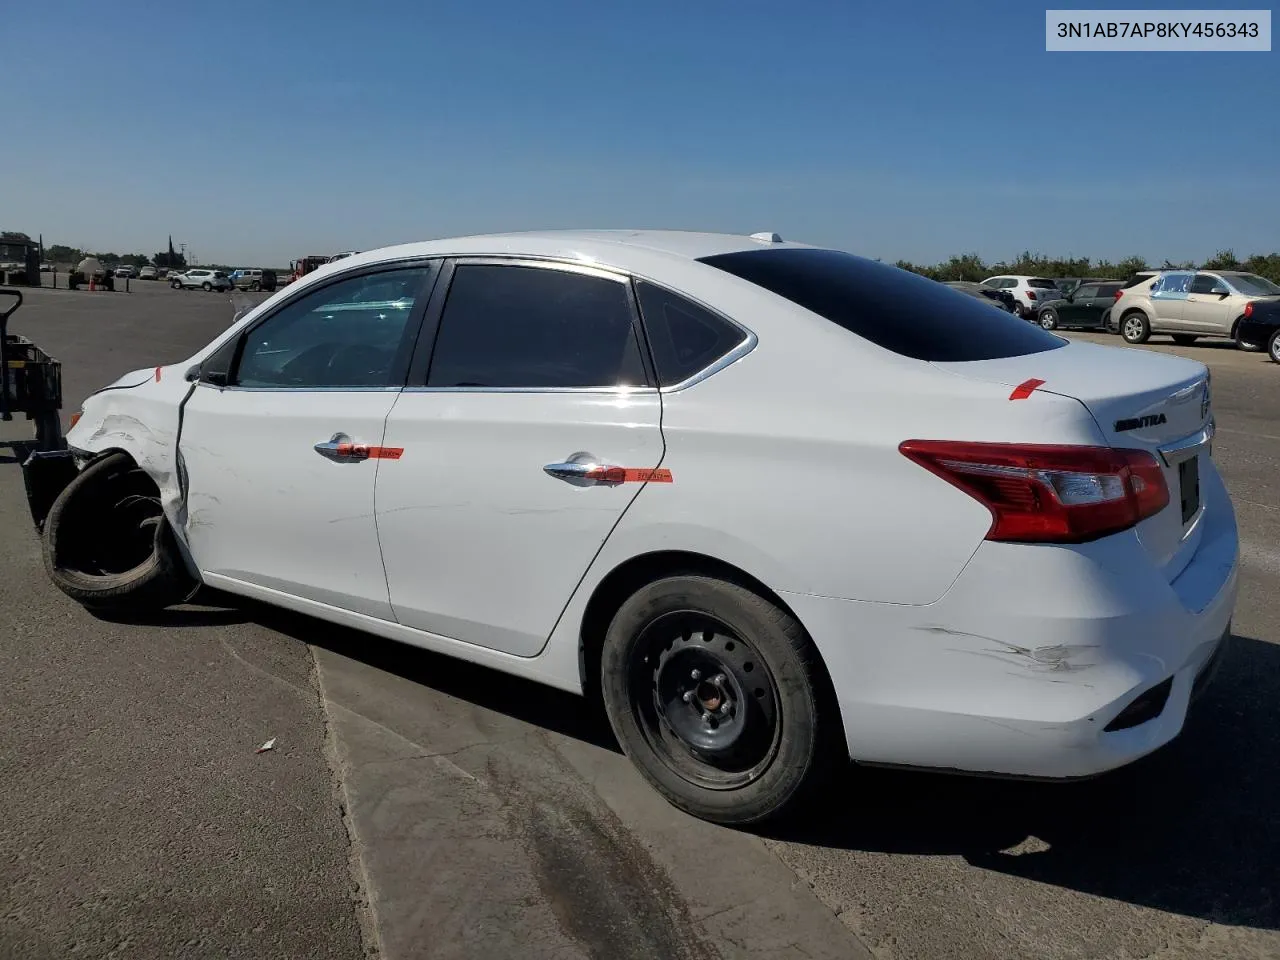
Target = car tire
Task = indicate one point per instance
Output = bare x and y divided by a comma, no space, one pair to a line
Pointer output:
1241,344
175,285
1273,347
1185,339
107,543
1135,327
255,286
207,287
1048,319
775,731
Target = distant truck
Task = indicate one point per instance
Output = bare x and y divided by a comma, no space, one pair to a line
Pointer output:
301,267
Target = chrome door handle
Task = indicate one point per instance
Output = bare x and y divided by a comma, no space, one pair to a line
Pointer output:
582,469
340,449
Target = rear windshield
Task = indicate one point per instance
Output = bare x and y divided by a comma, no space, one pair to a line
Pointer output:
1253,285
894,309
1041,284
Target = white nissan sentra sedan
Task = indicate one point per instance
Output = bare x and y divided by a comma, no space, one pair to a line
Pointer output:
774,504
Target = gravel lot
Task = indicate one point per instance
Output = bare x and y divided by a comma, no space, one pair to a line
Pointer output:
418,807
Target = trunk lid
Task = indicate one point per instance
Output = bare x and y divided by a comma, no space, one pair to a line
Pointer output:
1140,400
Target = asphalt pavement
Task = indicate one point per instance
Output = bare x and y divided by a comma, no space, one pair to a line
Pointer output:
415,806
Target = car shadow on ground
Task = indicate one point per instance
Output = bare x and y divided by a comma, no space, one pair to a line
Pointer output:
1191,830
534,703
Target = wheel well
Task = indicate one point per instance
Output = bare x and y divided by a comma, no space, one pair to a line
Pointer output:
625,579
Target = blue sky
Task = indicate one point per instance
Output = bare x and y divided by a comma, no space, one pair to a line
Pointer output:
257,132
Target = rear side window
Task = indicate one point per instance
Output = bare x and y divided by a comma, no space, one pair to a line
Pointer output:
894,309
1038,283
684,338
1109,289
1086,293
515,326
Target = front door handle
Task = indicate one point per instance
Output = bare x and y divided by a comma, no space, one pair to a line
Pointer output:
582,469
341,449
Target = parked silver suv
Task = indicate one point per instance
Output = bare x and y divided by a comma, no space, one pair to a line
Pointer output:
1189,304
205,280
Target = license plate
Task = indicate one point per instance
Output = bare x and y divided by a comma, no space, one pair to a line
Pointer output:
1189,484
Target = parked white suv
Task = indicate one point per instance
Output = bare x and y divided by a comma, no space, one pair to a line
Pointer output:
1029,292
1189,304
205,280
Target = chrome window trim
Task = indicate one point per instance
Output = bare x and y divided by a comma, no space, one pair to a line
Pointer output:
278,389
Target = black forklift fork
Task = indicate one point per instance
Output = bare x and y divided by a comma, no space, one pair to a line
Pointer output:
31,383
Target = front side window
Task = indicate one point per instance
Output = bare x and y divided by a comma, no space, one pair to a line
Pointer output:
509,326
1252,285
347,334
1204,283
685,338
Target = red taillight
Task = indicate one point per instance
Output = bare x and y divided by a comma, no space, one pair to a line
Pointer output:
1043,493
1031,294
1119,294
1248,309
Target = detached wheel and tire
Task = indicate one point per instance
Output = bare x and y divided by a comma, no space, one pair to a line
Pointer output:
1048,319
107,543
1135,328
1185,339
720,700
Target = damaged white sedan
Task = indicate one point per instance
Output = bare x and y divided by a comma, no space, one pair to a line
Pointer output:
775,505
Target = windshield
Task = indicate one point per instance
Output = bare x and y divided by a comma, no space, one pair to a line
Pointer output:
1252,285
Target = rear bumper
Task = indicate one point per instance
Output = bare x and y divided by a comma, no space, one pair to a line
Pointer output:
1030,665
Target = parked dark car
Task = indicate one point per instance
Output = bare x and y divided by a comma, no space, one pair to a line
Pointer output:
1000,298
1260,326
1069,284
1086,306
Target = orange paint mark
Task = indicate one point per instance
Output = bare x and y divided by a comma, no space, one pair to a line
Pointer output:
1025,389
362,451
630,475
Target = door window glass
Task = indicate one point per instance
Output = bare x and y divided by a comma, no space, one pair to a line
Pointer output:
508,326
346,334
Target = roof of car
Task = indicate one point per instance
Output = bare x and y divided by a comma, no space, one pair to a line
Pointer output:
608,247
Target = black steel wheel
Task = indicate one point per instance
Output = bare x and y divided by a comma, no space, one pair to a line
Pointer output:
719,698
705,702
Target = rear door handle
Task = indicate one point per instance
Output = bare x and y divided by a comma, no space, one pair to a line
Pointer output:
341,449
582,470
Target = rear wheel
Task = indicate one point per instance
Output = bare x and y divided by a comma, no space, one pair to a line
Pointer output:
207,287
1049,319
1273,346
1185,339
1241,344
1135,328
719,698
107,543
255,286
